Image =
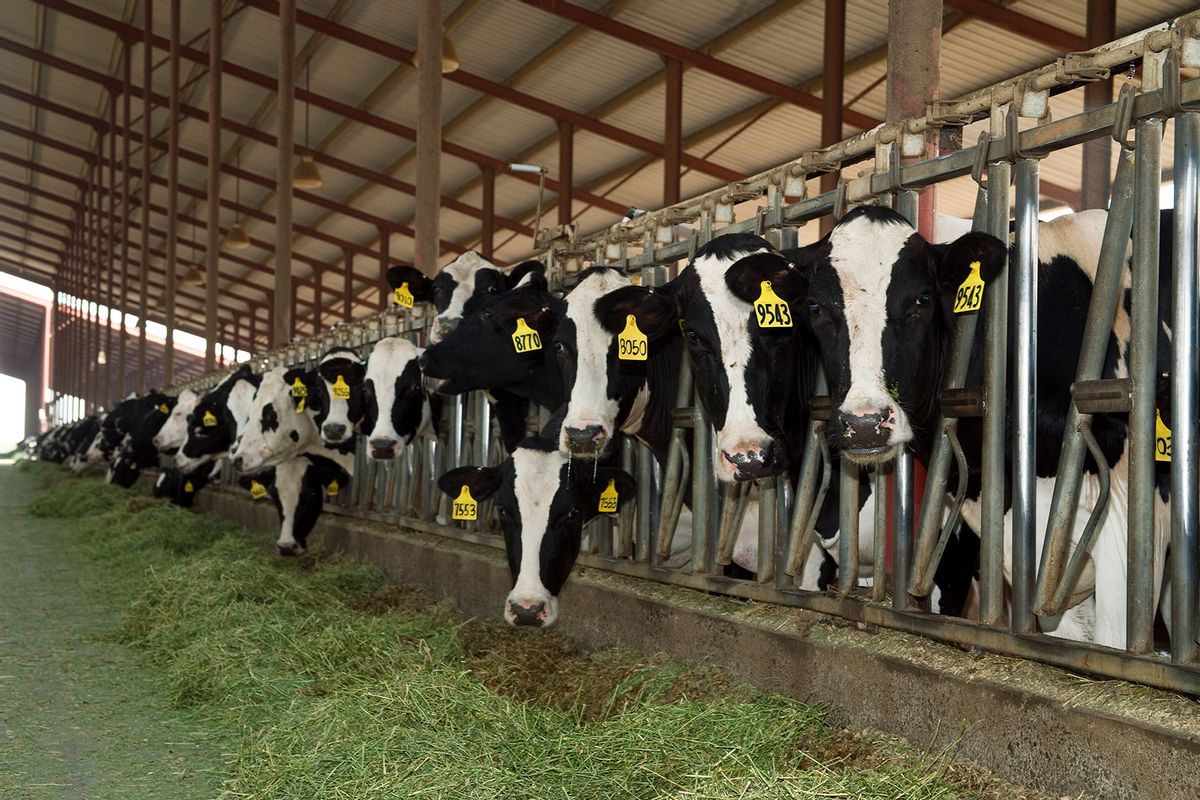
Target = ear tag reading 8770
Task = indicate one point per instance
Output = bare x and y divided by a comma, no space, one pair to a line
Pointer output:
632,344
464,506
340,390
257,490
210,421
608,498
404,298
525,339
1162,438
770,309
969,296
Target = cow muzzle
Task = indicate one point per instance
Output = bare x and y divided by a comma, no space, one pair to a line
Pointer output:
588,441
531,612
750,462
292,549
868,436
333,431
383,448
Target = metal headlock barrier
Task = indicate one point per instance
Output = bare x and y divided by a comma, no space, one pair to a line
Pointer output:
639,541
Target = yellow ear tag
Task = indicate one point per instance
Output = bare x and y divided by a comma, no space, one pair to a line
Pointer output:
525,340
257,490
1162,438
404,298
132,465
300,405
299,389
608,499
631,342
187,487
210,421
163,408
969,296
340,390
464,506
770,309
332,489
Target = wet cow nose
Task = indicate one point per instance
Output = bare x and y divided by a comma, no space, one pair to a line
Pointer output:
383,448
334,430
588,439
752,464
527,614
867,429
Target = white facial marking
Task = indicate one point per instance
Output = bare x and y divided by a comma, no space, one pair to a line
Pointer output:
536,483
463,270
339,409
387,362
173,433
589,403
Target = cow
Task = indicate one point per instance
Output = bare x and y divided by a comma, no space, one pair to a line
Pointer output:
880,303
333,393
137,421
542,504
396,406
173,433
218,419
298,487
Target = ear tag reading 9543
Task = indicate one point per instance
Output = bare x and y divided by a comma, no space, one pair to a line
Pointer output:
525,339
332,489
163,408
340,390
1162,438
210,420
770,309
969,296
257,490
631,342
608,499
299,389
404,298
464,506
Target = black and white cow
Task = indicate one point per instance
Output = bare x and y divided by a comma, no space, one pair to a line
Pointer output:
218,419
298,487
138,422
173,433
880,303
396,406
333,393
542,504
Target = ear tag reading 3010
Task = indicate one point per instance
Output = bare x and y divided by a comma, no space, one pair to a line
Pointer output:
1162,438
332,488
525,339
464,506
969,296
404,298
299,389
770,309
257,490
608,499
632,344
340,390
210,420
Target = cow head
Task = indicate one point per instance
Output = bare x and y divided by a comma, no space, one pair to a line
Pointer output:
275,428
604,387
880,303
462,284
217,420
744,373
395,404
148,415
333,393
542,505
174,431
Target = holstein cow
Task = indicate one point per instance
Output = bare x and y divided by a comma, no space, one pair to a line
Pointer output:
218,419
332,392
542,504
396,406
173,433
139,421
880,303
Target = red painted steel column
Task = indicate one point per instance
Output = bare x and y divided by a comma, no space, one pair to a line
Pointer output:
429,134
487,237
281,319
147,151
1097,152
212,262
566,171
348,287
318,300
111,251
832,92
172,244
123,300
385,247
673,127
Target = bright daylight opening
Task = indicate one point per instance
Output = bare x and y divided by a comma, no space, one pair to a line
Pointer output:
12,412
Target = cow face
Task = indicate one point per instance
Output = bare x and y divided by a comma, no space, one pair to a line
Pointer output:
880,305
174,431
395,404
333,393
459,283
542,506
744,373
275,428
149,414
217,420
604,388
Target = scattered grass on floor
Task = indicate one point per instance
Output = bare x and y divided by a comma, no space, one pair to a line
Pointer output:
334,685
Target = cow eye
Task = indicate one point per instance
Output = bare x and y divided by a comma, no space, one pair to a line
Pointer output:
559,346
492,290
923,299
489,316
573,513
814,309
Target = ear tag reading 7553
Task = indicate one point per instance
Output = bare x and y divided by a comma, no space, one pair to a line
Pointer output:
340,390
969,296
464,506
525,339
608,499
210,421
404,298
631,342
1162,438
257,490
332,488
770,309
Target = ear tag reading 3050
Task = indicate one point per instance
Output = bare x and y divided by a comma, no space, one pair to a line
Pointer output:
525,339
631,342
299,389
969,296
770,309
464,506
210,421
257,490
332,488
404,298
608,499
1162,438
340,390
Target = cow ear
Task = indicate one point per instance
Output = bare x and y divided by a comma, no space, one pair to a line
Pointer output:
482,481
306,380
528,273
623,484
656,312
953,261
746,275
418,284
543,318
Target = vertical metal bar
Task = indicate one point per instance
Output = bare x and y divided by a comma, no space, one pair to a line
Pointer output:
318,300
457,413
833,85
673,131
172,195
879,556
1185,517
281,319
429,134
348,287
147,151
848,527
1023,283
385,255
110,249
487,232
566,171
1143,349
126,171
703,516
903,480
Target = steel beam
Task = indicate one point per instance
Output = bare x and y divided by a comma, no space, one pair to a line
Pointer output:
673,131
1023,25
832,95
429,134
566,171
1097,152
172,195
281,317
147,109
487,236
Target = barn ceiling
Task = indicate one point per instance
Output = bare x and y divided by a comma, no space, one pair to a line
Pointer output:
523,69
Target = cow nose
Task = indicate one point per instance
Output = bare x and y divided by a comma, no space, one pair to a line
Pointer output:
867,429
753,463
527,615
383,448
237,463
334,430
586,440
157,441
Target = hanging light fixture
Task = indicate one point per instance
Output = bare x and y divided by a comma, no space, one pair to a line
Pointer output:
306,175
237,239
193,276
450,62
